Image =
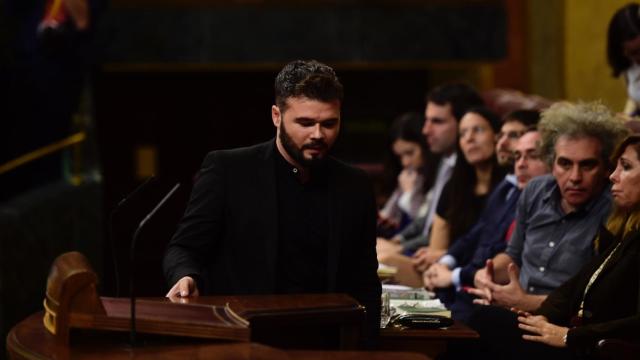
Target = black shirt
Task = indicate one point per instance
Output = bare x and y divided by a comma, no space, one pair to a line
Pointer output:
475,206
303,228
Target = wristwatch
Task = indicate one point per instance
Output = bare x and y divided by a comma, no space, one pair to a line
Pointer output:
564,339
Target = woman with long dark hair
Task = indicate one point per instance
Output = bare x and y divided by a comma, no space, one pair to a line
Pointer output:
476,173
409,152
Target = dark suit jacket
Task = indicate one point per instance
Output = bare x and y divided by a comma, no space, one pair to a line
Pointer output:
612,305
487,237
228,236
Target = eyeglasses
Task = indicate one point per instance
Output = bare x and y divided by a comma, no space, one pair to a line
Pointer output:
511,135
477,129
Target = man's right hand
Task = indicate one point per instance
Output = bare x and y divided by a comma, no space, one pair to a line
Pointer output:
484,276
482,281
185,287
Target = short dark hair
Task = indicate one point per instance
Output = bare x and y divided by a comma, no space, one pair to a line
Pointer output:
461,96
307,78
624,26
528,118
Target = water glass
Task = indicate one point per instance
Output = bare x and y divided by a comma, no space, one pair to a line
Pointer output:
385,310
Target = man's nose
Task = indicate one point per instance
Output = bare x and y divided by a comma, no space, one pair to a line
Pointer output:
502,143
426,129
576,174
317,132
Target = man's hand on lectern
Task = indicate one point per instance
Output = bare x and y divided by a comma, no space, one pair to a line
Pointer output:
185,287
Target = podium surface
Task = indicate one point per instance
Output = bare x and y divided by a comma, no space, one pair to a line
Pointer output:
30,340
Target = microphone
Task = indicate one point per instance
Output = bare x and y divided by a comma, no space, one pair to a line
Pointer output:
121,203
132,333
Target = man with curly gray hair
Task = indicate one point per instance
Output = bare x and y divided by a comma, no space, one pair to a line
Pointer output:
559,214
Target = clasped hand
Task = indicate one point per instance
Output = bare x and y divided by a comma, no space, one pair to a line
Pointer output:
437,276
488,292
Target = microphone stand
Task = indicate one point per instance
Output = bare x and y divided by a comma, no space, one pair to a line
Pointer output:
111,238
132,333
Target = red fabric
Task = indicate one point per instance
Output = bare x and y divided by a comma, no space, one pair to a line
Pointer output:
512,227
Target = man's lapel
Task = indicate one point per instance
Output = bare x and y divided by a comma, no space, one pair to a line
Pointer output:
267,196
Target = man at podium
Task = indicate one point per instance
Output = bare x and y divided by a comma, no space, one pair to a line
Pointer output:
281,217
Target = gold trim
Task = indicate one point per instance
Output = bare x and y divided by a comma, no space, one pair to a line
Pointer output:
235,316
43,151
49,318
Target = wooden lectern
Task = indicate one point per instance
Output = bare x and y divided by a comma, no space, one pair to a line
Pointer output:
72,302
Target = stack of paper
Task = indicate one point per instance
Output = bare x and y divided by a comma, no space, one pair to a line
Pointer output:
407,293
431,307
406,300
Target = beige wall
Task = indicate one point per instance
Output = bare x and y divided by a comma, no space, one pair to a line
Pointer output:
587,74
545,50
568,50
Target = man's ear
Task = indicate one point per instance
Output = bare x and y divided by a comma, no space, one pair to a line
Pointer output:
275,116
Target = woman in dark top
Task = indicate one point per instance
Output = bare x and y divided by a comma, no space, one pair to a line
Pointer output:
475,174
601,301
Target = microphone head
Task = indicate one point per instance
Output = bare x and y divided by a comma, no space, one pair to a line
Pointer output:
151,179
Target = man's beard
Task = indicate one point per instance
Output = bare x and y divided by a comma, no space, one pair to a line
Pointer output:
297,153
506,162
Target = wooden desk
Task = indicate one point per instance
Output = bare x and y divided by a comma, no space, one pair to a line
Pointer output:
429,342
30,340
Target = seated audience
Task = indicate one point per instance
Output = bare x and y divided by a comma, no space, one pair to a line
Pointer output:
514,125
410,151
490,234
445,106
557,215
475,174
572,319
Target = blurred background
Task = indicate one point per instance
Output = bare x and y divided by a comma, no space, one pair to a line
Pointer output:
99,95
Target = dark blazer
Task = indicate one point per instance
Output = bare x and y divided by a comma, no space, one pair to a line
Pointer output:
228,236
487,237
612,305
